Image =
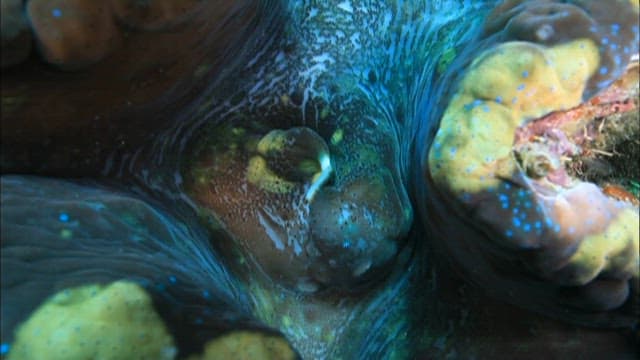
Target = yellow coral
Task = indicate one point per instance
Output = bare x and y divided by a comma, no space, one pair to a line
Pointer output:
247,345
259,174
505,87
116,321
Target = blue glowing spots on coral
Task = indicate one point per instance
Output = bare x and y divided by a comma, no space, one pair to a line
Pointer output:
520,87
603,70
615,29
206,294
514,100
498,99
4,349
520,213
472,104
485,108
617,60
516,222
525,74
56,13
604,41
346,244
452,151
63,217
172,279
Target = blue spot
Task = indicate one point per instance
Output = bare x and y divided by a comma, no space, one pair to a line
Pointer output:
503,197
64,217
346,244
613,46
453,150
485,108
206,294
634,28
473,104
437,145
605,40
4,348
538,224
593,29
515,211
526,227
516,222
527,204
172,279
625,50
615,28
617,60
514,100
604,70
499,99
508,233
505,205
556,228
199,321
56,13
520,87
507,186
525,74
160,287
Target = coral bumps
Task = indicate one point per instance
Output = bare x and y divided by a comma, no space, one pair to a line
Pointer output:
525,207
116,321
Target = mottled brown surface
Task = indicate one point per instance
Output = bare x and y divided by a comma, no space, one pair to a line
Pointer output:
48,114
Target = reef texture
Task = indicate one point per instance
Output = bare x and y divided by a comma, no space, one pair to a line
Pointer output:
319,179
527,215
98,263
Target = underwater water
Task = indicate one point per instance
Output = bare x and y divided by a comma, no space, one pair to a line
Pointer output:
319,179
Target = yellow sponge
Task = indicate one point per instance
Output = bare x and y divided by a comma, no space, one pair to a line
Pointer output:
505,87
116,322
247,345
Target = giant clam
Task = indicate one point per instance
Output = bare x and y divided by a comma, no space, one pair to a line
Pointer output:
319,179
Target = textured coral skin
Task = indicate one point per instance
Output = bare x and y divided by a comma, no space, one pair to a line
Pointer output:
372,80
121,315
60,244
573,236
611,25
